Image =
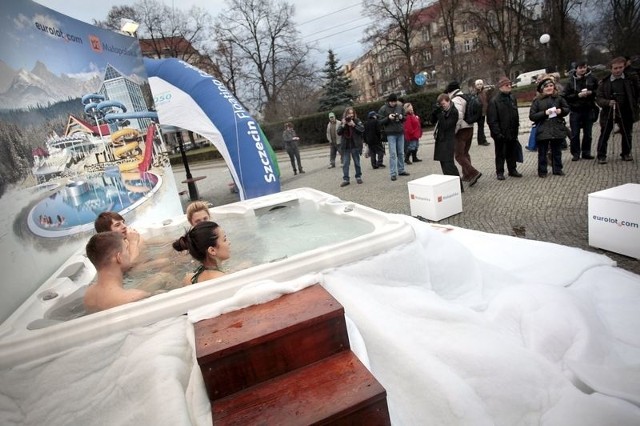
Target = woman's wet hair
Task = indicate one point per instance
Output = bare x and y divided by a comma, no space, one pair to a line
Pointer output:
198,239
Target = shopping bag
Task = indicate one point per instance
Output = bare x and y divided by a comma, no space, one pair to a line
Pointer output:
532,145
519,154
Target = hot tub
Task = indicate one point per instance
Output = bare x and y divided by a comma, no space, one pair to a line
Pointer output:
52,319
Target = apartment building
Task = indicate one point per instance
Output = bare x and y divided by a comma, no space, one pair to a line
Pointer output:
383,70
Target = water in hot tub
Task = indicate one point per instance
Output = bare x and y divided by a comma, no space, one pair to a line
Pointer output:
273,234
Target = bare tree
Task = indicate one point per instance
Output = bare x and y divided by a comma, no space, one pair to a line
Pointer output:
507,29
299,98
450,12
116,15
620,25
560,19
396,22
169,32
166,32
231,65
263,34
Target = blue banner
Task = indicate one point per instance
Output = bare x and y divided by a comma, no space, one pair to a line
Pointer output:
191,99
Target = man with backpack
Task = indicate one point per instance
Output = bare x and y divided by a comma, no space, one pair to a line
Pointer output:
469,108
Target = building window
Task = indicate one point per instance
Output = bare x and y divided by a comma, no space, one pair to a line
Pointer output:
426,35
445,49
468,46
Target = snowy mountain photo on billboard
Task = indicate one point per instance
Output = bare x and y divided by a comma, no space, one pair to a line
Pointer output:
42,87
74,63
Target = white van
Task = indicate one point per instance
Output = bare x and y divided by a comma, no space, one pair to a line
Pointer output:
528,78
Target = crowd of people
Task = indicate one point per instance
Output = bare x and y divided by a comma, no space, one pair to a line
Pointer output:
584,98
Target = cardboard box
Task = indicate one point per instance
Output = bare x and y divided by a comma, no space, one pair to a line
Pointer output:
614,219
435,197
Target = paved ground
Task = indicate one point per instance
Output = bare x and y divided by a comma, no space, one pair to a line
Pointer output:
552,209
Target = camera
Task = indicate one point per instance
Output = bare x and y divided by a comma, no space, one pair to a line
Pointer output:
396,117
348,119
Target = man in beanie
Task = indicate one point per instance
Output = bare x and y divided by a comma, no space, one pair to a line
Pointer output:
483,95
580,93
332,138
391,117
503,120
464,134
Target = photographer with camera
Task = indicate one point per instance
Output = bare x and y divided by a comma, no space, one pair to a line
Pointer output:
350,129
618,95
391,118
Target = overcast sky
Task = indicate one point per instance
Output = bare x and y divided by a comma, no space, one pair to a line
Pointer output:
328,24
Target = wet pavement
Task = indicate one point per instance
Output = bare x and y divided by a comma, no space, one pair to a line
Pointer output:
553,209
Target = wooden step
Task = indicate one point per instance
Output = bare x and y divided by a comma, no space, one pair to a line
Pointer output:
246,347
338,390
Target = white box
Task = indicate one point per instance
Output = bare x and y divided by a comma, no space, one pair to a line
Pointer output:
614,219
435,197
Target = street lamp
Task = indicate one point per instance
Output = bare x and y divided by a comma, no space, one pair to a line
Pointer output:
544,40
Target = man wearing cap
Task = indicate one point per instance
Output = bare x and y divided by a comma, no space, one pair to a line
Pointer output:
373,139
503,120
483,95
391,117
580,93
332,138
464,134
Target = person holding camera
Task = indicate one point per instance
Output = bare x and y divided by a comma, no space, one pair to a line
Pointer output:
350,129
391,118
373,139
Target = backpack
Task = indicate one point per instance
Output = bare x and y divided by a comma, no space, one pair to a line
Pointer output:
473,111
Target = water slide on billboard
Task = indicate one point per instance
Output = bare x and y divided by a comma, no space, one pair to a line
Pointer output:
191,99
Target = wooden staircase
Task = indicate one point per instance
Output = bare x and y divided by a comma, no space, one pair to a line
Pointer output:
287,362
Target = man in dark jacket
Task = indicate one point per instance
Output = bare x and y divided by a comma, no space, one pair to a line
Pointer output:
617,95
580,93
373,139
484,95
504,121
391,117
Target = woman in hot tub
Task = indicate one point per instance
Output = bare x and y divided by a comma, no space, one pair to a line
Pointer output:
208,244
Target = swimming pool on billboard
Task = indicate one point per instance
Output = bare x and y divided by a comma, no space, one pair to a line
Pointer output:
74,206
